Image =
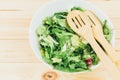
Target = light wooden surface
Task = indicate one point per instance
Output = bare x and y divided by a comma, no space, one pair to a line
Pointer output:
17,60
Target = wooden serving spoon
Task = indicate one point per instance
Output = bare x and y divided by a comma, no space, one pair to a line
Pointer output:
98,34
79,23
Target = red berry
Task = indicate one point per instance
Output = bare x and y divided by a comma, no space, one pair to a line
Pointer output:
89,61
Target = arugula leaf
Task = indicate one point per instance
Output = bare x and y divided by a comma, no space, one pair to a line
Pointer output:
107,31
95,59
77,8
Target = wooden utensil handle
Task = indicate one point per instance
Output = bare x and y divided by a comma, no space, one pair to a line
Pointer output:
110,50
110,66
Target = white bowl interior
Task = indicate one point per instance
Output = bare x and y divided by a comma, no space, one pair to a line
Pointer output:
58,6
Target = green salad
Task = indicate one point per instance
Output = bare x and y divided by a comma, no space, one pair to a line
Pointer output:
62,48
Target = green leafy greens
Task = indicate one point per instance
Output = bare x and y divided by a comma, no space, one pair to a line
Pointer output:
62,48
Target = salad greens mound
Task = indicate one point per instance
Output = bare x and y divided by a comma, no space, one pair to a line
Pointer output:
62,48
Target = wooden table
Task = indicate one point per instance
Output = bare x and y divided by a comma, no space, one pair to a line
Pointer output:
17,60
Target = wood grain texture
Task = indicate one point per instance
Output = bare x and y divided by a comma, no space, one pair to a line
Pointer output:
17,60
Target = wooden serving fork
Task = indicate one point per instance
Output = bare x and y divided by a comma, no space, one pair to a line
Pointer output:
98,34
79,23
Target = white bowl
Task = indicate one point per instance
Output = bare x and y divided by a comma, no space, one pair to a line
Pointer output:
58,6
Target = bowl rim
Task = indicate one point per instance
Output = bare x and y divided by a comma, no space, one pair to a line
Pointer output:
51,3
